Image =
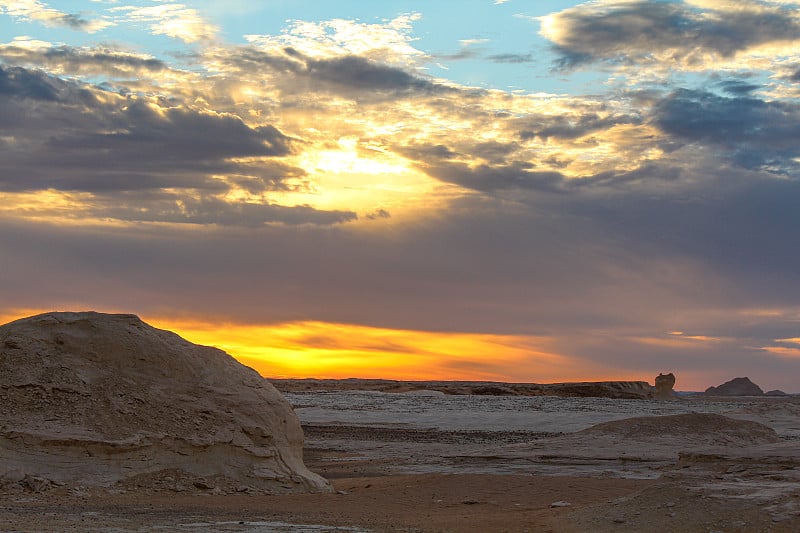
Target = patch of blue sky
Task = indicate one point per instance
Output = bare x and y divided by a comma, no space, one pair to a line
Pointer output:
471,42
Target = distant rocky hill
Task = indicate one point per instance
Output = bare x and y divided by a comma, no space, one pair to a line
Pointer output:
600,389
94,399
736,387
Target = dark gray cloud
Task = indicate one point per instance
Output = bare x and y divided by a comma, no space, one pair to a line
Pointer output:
209,210
466,52
511,58
739,88
71,20
739,224
630,32
754,133
364,74
73,141
490,178
28,84
426,152
473,52
108,62
67,138
352,75
573,126
494,167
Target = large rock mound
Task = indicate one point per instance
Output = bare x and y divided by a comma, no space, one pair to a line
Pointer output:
736,387
93,399
686,429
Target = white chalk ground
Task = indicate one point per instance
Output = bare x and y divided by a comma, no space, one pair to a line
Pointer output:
763,472
546,414
407,415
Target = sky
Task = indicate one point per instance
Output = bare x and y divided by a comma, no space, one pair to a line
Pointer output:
527,191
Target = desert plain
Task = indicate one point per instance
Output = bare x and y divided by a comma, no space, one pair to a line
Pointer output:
85,450
422,461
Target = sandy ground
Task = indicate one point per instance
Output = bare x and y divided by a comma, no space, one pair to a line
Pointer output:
427,502
453,477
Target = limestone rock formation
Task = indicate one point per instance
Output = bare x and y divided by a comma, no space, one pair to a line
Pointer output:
664,386
736,387
92,399
687,429
627,390
776,392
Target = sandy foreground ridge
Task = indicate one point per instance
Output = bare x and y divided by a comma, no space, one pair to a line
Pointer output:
107,424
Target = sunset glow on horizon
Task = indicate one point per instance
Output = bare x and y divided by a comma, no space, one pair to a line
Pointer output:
321,350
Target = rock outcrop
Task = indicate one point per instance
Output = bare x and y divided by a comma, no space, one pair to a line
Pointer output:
92,399
687,430
736,387
664,386
776,392
624,390
635,390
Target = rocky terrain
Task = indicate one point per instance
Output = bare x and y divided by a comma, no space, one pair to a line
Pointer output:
596,389
109,425
89,399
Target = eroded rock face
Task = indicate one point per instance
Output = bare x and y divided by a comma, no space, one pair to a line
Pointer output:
664,386
736,387
629,390
96,399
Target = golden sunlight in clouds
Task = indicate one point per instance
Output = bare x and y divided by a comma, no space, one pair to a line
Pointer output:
50,204
327,350
352,175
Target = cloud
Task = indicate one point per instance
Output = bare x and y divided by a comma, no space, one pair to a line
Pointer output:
123,136
34,10
214,210
317,174
366,75
669,35
511,58
389,42
570,126
755,133
489,178
120,145
173,20
63,59
351,76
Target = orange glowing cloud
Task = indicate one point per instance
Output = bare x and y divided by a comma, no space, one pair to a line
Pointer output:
334,350
331,350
